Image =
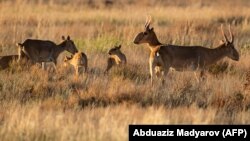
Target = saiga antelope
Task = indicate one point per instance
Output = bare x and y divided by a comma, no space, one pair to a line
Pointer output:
162,57
5,61
46,51
116,57
78,60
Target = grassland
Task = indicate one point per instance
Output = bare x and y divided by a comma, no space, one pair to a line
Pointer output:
48,105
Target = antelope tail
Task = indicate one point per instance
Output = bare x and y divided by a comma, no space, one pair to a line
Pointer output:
19,44
82,54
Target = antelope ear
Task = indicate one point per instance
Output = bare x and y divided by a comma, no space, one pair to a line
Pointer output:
63,38
222,42
65,58
152,29
68,38
119,47
19,44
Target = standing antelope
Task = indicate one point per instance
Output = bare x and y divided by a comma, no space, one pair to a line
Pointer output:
162,57
46,51
116,57
78,60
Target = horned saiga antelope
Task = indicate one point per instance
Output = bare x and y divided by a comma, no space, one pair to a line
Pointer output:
116,57
162,57
45,50
79,61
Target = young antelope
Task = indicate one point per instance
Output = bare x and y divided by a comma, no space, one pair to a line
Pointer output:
79,61
116,57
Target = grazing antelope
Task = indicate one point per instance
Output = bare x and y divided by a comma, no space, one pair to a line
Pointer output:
46,51
162,57
6,60
116,57
78,60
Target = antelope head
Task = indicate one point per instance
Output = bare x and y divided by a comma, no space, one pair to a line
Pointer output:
116,50
66,60
69,45
148,35
229,44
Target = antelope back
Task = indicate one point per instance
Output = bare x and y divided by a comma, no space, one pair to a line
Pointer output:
78,59
6,60
37,50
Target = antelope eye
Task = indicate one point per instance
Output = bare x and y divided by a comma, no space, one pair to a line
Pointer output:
145,33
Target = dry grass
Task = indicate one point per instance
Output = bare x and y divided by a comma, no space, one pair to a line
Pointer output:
49,105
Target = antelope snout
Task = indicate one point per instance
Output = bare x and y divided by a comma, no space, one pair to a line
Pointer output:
138,38
136,42
236,58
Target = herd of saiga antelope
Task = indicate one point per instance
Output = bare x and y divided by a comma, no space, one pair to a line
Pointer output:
162,56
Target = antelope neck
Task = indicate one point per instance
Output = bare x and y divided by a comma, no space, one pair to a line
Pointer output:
60,48
154,41
154,48
219,52
62,45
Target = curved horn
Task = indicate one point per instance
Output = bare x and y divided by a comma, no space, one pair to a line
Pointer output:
146,24
148,21
231,35
225,37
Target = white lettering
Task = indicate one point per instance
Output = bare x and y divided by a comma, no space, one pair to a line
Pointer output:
196,134
136,133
